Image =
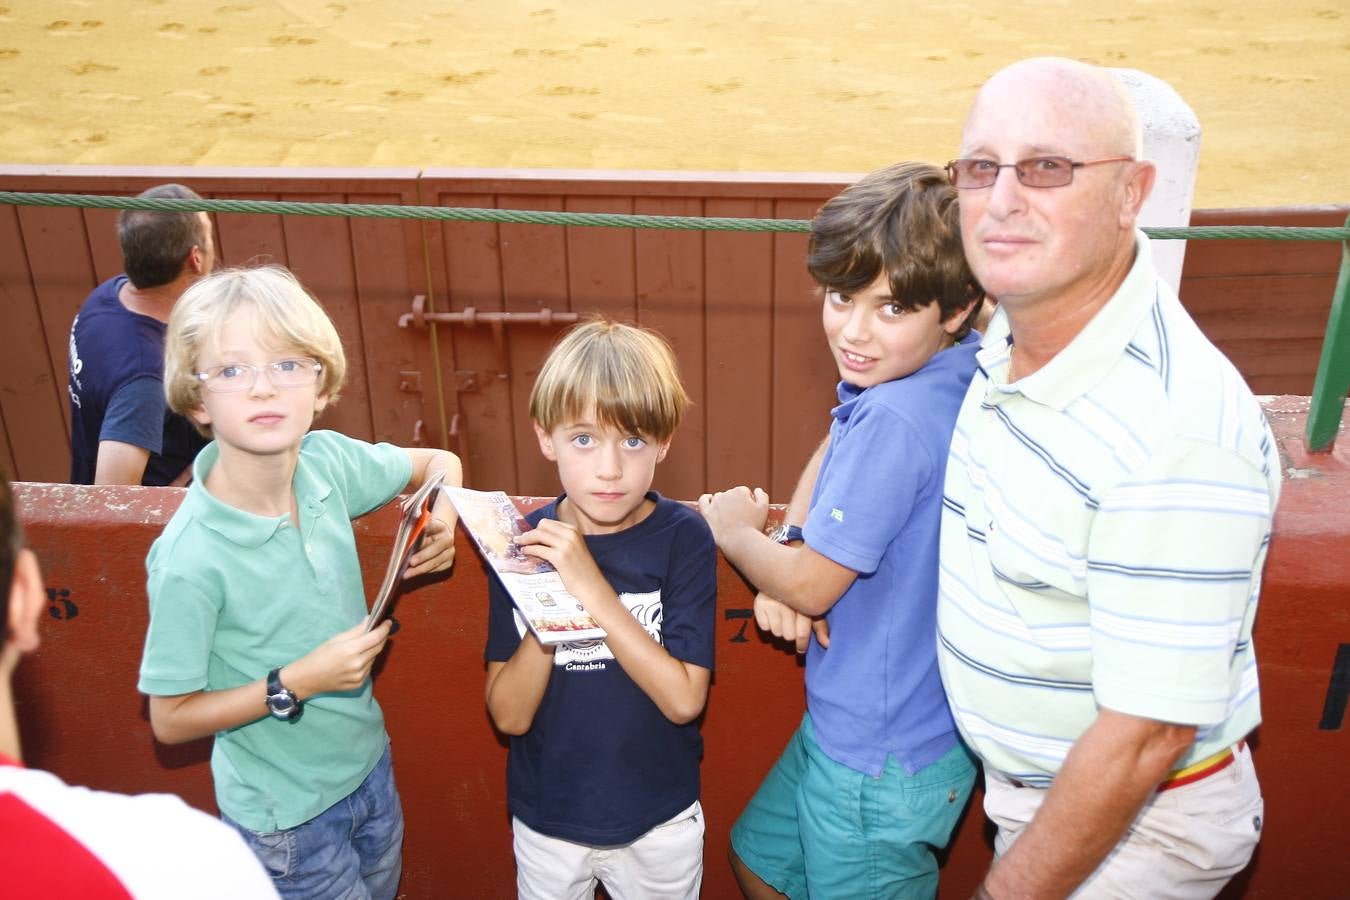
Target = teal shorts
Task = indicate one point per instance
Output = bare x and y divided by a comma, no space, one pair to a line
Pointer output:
817,828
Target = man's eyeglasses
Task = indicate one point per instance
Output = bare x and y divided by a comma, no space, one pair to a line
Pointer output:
1037,172
283,373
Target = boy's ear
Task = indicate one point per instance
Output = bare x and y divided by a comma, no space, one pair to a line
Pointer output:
661,454
320,403
27,600
954,322
545,443
199,415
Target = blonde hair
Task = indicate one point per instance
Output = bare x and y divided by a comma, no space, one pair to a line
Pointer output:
287,317
625,373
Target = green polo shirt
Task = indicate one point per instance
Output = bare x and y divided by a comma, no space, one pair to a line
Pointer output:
1105,523
233,595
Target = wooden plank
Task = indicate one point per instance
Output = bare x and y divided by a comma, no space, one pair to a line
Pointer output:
534,276
670,300
33,393
803,370
251,239
101,227
600,261
1264,257
380,256
320,255
739,340
467,270
62,277
1273,308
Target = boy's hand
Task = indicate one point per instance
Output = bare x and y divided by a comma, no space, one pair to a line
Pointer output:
561,544
437,552
737,508
784,622
341,663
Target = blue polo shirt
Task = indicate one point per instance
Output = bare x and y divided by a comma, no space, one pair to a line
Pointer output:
875,509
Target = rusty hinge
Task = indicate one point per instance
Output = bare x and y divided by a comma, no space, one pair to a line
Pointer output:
470,316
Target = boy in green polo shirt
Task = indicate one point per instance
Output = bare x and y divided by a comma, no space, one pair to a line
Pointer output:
257,608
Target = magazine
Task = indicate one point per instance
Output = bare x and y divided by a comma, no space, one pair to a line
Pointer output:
414,518
553,614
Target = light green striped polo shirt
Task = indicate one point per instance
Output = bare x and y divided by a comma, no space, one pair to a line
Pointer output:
1105,522
233,595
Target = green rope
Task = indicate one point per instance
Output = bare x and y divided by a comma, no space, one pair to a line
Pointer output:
596,220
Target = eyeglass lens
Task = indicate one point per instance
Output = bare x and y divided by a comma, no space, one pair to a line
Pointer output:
281,373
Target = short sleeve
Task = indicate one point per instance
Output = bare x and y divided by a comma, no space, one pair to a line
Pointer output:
689,597
178,642
868,487
503,635
135,414
1174,563
368,475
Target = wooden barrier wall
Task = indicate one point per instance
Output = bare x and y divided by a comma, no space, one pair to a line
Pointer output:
738,307
81,717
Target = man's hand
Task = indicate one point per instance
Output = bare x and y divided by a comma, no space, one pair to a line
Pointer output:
789,625
341,663
727,511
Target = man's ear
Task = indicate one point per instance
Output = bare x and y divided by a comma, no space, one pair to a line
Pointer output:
196,260
1137,191
545,443
27,600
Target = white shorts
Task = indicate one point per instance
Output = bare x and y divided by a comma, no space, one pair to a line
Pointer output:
1186,843
666,862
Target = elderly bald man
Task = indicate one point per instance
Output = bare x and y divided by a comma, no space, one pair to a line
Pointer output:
1107,510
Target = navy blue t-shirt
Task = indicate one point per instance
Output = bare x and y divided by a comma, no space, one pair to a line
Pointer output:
601,764
116,389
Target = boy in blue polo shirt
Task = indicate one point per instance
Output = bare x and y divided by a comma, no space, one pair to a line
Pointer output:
875,778
257,606
603,773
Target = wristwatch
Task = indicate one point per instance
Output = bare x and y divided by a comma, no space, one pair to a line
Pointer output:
786,534
281,702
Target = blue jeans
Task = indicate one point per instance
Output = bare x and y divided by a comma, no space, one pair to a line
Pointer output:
351,851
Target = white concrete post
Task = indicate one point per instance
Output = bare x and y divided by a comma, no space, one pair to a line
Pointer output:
1172,141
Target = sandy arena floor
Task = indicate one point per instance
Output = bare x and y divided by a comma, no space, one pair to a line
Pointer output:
751,85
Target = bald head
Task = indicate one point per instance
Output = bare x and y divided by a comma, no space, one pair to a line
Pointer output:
1085,99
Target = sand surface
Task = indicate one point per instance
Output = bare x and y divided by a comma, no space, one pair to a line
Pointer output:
749,85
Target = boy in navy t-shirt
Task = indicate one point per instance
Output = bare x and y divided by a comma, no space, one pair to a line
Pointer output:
876,778
603,771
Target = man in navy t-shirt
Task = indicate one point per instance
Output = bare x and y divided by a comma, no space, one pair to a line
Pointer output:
121,431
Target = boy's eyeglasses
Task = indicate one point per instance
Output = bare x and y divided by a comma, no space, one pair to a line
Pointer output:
1037,172
283,373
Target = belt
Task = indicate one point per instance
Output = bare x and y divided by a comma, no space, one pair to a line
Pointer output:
1179,777
1202,769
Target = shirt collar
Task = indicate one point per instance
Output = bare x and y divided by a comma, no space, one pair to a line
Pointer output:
245,528
1077,368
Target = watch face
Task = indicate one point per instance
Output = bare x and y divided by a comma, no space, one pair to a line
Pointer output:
282,705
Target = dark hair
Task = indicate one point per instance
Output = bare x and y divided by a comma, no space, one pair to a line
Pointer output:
902,220
11,540
155,243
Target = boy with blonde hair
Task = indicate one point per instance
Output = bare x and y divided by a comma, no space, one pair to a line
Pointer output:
602,776
257,607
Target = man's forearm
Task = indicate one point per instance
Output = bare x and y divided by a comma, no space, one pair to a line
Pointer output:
1107,777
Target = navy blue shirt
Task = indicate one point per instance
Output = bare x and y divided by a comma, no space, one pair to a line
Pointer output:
116,389
601,764
875,692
